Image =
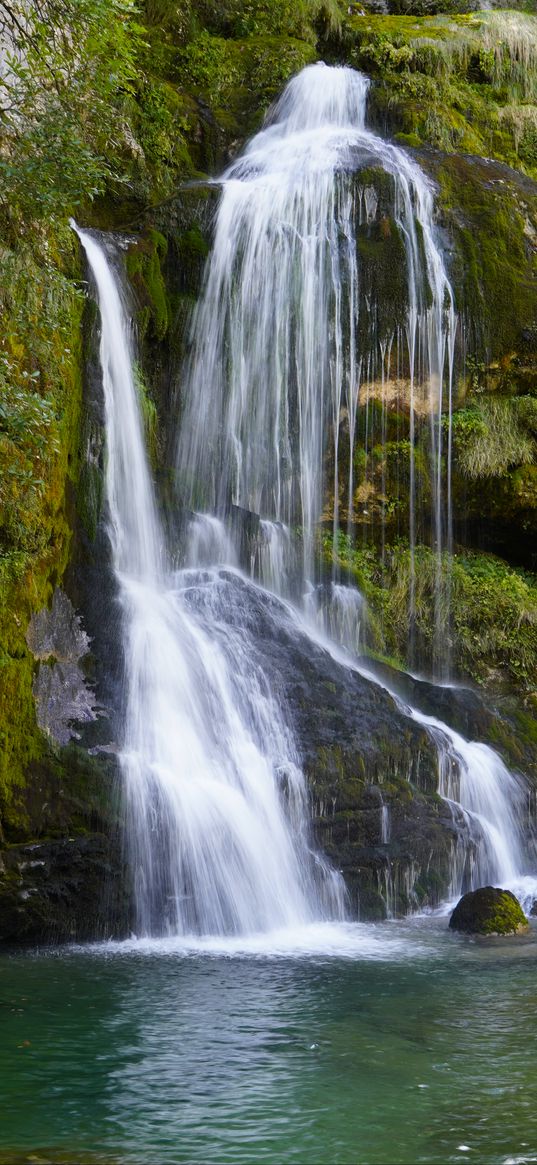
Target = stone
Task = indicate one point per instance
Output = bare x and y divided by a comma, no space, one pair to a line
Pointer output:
489,911
72,889
62,695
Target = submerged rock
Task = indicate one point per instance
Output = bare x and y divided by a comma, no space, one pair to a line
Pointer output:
489,911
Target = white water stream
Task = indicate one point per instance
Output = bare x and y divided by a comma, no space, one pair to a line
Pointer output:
218,821
218,812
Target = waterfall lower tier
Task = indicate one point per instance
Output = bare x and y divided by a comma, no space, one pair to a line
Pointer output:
495,832
488,805
217,800
218,825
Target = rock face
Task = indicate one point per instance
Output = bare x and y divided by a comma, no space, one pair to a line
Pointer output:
371,770
70,890
63,875
489,911
57,639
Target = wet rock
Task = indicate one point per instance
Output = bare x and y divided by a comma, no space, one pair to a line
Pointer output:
68,890
62,695
360,753
463,708
489,911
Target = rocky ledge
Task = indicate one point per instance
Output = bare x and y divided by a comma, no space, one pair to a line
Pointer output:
69,890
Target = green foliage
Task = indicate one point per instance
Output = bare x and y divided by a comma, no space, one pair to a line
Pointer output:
39,350
492,616
173,19
239,79
495,434
449,79
68,65
292,18
158,124
211,64
40,392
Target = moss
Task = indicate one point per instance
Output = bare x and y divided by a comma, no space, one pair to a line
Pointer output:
237,79
42,388
192,248
89,497
412,140
144,267
489,911
149,414
303,19
495,478
448,80
163,120
491,215
492,632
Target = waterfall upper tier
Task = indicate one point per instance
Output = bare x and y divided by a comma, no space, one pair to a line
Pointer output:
289,332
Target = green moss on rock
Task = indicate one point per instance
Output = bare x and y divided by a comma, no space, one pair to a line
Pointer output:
489,911
40,370
144,267
461,82
492,216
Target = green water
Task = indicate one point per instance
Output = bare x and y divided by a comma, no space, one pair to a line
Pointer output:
404,1044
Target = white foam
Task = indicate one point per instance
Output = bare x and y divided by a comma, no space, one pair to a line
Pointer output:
354,941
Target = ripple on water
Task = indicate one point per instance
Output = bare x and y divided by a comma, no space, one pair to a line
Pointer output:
388,1043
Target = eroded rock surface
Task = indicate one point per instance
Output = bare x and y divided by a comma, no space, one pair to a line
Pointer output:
63,697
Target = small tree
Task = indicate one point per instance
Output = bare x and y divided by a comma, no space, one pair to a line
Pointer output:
66,67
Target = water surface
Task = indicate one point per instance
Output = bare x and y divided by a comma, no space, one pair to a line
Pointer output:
372,1044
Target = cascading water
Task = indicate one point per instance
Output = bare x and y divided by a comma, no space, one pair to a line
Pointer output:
217,809
339,612
217,805
495,839
286,347
489,804
286,340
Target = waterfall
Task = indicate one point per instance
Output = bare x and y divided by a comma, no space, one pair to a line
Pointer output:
339,612
288,346
286,349
488,804
218,825
287,341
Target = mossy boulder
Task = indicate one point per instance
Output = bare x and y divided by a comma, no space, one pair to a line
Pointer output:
489,911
